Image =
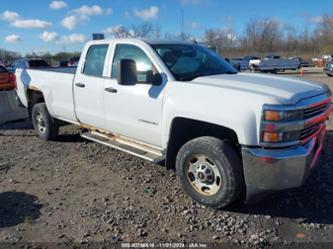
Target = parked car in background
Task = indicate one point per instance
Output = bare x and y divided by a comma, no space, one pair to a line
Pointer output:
253,62
273,64
303,63
328,69
250,57
63,63
73,62
243,64
234,64
24,64
7,79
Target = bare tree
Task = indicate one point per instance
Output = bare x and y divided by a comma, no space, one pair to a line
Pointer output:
262,35
145,30
324,34
179,36
221,39
7,57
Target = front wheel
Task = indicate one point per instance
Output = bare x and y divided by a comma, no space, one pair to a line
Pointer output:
45,126
210,171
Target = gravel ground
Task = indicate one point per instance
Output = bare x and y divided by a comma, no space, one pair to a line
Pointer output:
71,190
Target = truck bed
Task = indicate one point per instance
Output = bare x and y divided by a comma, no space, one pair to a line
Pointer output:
69,70
57,86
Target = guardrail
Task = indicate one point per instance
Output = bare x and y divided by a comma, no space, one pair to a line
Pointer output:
9,109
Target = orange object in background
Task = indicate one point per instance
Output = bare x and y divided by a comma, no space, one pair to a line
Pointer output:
319,63
7,80
301,71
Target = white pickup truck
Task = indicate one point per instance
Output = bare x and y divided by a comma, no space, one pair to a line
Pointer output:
229,135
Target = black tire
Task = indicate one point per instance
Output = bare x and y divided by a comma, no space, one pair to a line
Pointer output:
226,160
45,126
329,75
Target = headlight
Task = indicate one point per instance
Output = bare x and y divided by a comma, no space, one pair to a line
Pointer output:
271,115
281,125
290,125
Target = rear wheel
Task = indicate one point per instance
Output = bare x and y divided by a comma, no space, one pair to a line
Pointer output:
45,126
210,171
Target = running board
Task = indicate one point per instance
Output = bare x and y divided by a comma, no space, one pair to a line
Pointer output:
124,145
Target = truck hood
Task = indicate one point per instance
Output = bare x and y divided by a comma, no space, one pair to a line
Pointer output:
286,90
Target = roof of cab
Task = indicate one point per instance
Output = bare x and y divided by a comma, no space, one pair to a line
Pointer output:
154,42
151,42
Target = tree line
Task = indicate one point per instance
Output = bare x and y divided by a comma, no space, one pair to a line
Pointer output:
262,36
259,37
7,57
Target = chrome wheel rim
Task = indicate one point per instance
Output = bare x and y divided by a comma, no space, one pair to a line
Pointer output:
40,122
203,174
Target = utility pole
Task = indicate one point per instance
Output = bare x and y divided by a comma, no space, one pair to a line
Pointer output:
182,33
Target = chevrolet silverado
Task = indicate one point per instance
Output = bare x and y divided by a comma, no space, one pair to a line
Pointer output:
229,135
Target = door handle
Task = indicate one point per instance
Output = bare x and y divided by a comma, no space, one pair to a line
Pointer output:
80,85
111,90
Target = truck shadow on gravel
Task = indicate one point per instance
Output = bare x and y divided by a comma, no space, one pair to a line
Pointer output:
21,127
71,138
311,203
22,124
17,208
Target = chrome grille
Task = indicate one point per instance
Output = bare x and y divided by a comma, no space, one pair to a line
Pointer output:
315,110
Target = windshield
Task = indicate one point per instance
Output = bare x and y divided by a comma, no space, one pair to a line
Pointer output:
187,61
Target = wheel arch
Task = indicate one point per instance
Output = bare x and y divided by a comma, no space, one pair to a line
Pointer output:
35,96
183,130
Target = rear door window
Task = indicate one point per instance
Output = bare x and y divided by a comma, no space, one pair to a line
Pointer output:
95,59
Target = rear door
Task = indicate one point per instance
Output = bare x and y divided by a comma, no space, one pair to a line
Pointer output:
89,87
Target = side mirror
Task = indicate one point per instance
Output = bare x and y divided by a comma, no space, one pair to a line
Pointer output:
127,72
155,79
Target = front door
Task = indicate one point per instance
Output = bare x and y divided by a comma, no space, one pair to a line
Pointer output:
134,111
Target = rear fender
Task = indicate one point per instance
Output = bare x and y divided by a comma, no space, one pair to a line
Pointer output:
23,81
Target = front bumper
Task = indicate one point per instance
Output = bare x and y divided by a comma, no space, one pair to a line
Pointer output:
268,170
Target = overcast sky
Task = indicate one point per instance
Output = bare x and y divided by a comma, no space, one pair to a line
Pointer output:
46,25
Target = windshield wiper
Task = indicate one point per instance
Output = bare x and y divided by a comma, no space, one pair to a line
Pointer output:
202,75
